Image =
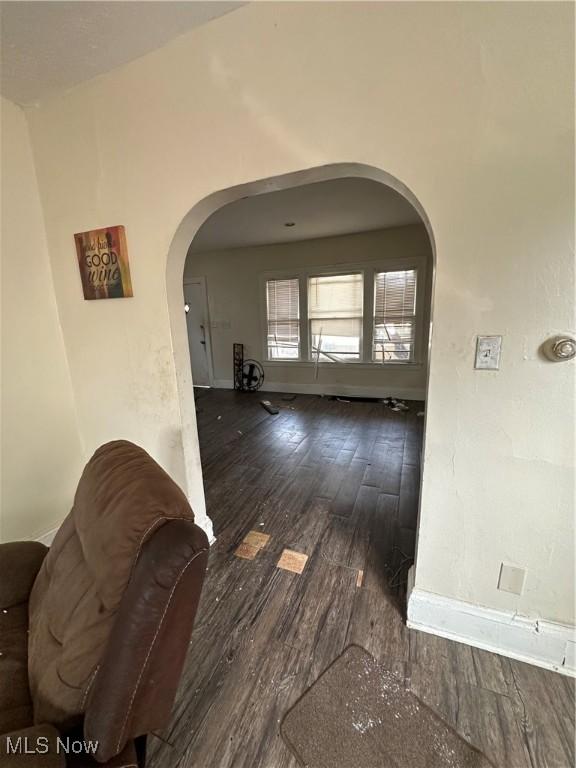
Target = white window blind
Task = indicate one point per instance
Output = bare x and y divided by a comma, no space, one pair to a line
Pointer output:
335,317
394,316
283,315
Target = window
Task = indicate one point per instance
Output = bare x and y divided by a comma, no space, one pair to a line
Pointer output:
394,316
283,315
367,314
335,317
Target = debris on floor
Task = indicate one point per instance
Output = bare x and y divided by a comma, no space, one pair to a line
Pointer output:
399,576
394,404
359,578
246,551
256,539
292,561
267,405
251,544
353,399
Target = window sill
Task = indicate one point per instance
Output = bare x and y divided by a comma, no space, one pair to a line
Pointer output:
352,364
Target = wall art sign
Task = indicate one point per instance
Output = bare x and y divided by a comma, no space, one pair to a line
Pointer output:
103,261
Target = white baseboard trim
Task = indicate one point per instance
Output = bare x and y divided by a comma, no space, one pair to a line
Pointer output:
338,390
542,643
47,537
222,384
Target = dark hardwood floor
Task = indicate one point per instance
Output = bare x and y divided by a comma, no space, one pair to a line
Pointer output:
339,482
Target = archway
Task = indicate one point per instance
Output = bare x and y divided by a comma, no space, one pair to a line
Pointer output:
175,268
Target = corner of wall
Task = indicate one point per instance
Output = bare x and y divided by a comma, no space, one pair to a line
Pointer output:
41,441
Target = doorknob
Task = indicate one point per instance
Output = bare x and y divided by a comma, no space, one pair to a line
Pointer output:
560,348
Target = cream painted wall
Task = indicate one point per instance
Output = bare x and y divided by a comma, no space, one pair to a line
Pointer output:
235,299
471,106
41,451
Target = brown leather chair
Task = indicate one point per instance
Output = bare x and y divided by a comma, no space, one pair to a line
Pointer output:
94,631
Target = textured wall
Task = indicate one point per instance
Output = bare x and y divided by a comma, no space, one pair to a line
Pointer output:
41,452
471,106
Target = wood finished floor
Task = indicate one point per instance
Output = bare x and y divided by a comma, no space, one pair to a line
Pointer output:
338,482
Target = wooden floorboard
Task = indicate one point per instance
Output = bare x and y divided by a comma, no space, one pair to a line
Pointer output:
339,483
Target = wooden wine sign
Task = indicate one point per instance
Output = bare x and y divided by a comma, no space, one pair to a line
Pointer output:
103,261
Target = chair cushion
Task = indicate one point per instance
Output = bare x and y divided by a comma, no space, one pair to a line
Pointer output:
123,496
20,562
15,702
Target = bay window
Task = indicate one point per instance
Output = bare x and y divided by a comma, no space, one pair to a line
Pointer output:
365,314
335,317
394,316
283,318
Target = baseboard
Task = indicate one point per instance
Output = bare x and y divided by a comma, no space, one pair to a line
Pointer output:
47,537
338,390
222,384
542,643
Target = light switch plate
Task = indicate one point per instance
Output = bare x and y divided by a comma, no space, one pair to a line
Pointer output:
511,579
488,353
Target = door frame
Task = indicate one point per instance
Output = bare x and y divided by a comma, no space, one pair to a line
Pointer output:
207,335
178,251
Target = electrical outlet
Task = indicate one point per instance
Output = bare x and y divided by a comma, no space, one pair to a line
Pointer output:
511,579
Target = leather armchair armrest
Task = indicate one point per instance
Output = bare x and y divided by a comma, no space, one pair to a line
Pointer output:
134,689
20,562
34,747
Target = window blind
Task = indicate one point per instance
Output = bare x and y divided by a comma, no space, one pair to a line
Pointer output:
335,317
283,316
394,316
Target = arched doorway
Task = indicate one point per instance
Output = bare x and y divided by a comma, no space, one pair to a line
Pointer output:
180,245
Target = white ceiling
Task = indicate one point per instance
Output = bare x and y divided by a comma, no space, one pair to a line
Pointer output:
51,46
323,209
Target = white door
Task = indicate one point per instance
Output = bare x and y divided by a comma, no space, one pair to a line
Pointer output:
197,323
